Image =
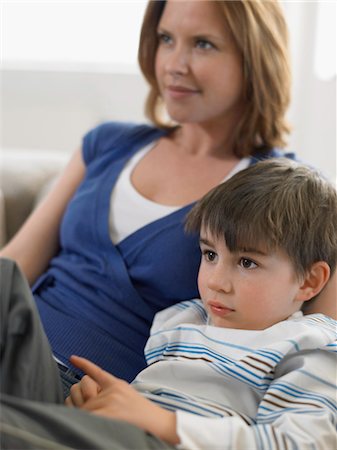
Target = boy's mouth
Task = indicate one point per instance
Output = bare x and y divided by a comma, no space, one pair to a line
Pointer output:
219,309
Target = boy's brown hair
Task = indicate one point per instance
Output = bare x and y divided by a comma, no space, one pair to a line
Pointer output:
274,204
261,36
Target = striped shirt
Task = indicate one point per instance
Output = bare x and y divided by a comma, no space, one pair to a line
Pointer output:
244,389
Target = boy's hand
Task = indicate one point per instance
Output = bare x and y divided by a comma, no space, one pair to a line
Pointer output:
82,392
103,394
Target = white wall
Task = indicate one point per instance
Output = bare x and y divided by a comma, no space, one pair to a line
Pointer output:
67,65
53,109
313,109
49,105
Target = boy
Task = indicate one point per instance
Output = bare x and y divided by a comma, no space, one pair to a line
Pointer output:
242,367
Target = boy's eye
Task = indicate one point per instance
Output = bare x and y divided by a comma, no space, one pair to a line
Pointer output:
247,263
209,255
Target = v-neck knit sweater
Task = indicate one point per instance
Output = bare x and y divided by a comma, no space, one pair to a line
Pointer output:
97,299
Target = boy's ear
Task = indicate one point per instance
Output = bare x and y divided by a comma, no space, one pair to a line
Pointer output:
314,281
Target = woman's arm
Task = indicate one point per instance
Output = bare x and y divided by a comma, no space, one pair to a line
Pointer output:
37,241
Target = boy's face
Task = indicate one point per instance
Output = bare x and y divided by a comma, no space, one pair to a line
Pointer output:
249,289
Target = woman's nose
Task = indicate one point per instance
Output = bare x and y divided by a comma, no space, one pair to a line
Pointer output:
177,61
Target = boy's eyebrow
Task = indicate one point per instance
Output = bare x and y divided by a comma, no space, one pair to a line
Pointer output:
252,250
205,241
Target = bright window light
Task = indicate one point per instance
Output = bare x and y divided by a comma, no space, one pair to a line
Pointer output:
325,51
71,32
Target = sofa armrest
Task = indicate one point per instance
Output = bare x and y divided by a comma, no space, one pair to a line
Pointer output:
25,177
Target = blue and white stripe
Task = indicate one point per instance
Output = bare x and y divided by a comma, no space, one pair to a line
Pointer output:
250,381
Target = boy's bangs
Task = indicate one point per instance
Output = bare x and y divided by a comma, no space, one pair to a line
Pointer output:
239,234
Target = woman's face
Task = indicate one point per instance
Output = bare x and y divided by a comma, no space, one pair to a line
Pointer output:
198,67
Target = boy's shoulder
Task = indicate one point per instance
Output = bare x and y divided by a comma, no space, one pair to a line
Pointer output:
295,334
319,324
188,311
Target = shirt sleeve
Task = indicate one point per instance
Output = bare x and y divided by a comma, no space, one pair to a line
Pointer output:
97,140
292,431
106,137
298,411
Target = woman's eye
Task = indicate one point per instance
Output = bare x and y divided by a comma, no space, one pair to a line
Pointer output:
209,255
204,45
247,263
164,38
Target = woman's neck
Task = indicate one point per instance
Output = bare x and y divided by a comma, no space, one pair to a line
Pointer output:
203,140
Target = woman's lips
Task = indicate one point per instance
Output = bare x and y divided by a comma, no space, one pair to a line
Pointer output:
179,92
218,309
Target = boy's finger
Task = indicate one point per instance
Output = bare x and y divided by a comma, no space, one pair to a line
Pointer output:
89,387
68,401
103,378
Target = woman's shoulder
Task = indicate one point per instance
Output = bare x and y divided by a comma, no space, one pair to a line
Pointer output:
273,153
109,135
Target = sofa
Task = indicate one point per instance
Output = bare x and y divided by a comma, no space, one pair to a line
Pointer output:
25,178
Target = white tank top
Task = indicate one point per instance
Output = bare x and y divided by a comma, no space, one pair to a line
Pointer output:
130,211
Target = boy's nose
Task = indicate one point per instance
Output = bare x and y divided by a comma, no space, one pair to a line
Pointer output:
220,282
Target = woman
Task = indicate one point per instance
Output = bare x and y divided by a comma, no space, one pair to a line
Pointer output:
100,251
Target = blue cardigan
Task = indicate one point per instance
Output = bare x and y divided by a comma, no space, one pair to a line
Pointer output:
98,299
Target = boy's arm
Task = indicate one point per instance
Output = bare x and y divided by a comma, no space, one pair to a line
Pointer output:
115,398
298,411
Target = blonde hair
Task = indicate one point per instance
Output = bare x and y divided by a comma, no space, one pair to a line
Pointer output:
260,33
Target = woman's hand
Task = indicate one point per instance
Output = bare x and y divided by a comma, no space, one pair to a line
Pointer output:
103,394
